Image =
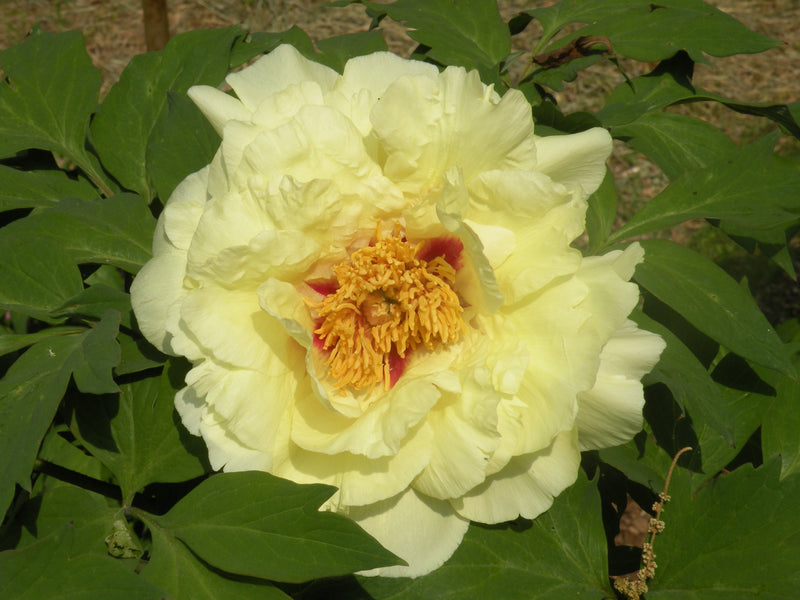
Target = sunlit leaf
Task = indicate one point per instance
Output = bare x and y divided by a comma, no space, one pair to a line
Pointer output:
336,51
36,276
182,142
750,189
174,568
737,538
469,33
601,212
650,32
116,231
122,129
712,301
561,554
677,143
48,96
254,524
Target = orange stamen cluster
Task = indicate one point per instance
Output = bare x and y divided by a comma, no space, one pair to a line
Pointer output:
388,300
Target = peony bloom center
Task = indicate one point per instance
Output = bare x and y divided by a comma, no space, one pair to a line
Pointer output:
388,302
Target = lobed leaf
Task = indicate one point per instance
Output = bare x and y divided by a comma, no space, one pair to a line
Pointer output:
254,524
561,554
736,539
749,189
713,302
601,212
35,275
336,51
116,231
33,386
650,32
48,96
33,189
137,436
129,114
677,143
467,33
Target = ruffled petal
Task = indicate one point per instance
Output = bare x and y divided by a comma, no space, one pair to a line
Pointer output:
526,486
425,127
365,79
276,71
231,327
611,412
361,480
465,436
422,531
577,159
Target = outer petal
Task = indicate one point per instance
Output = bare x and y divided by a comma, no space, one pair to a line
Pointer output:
611,412
465,436
426,127
218,107
527,486
422,531
157,286
275,72
576,159
366,78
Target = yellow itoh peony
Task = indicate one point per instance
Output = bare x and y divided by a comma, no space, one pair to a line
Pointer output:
374,283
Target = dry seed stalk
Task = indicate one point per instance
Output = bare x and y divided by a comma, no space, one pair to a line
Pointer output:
633,587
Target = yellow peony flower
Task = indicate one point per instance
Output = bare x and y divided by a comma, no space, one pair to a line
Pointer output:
374,282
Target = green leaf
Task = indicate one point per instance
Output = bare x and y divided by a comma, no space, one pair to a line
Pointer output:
46,570
644,463
94,301
133,107
136,434
116,231
713,302
35,275
601,213
33,189
670,82
781,424
48,96
137,355
31,391
677,143
182,142
749,189
337,50
254,524
689,381
467,33
174,568
650,32
561,554
88,513
253,44
737,539
11,342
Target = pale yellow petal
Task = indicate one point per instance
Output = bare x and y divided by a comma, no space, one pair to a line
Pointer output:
276,71
611,412
526,486
218,107
422,531
577,159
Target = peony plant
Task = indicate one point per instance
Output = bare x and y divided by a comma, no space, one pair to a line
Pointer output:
377,291
294,319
